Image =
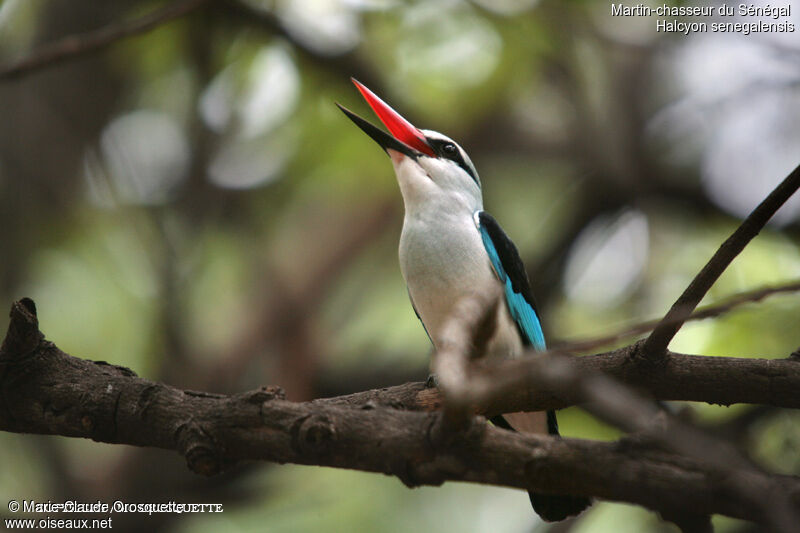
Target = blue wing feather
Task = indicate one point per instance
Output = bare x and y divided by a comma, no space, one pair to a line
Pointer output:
511,272
522,307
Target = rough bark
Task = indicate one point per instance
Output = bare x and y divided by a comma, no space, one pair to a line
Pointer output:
44,390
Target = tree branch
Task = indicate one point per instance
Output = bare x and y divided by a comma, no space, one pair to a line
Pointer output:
696,378
43,390
655,346
74,46
607,399
622,407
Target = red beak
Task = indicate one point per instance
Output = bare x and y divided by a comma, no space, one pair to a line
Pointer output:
402,129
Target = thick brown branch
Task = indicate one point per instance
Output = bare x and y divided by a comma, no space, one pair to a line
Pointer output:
77,45
715,380
513,386
43,390
47,391
622,407
604,397
654,348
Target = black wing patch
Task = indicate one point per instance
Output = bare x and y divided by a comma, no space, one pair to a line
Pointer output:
509,257
508,265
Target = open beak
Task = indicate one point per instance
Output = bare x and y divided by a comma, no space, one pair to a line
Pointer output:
404,138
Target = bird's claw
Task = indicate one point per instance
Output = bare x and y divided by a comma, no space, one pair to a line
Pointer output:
432,382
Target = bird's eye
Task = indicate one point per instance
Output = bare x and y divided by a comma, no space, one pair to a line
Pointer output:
449,149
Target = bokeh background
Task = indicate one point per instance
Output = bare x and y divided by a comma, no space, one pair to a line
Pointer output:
191,204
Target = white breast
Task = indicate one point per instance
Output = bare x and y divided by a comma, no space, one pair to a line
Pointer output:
443,260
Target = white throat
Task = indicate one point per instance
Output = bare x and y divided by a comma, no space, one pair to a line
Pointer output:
430,186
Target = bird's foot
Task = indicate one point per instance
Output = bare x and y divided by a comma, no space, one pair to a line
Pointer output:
432,382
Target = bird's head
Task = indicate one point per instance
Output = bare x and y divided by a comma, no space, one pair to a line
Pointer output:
430,167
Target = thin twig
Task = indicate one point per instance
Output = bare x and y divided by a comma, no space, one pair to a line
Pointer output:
708,311
655,346
74,46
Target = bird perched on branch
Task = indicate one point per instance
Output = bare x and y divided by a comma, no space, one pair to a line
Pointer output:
450,249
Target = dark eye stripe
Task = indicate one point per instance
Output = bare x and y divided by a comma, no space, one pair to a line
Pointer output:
438,146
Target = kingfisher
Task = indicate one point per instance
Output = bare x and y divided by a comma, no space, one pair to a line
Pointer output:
450,248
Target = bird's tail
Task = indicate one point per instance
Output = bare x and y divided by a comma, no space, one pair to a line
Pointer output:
551,507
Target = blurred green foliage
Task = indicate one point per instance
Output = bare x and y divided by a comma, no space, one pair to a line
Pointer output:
190,203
